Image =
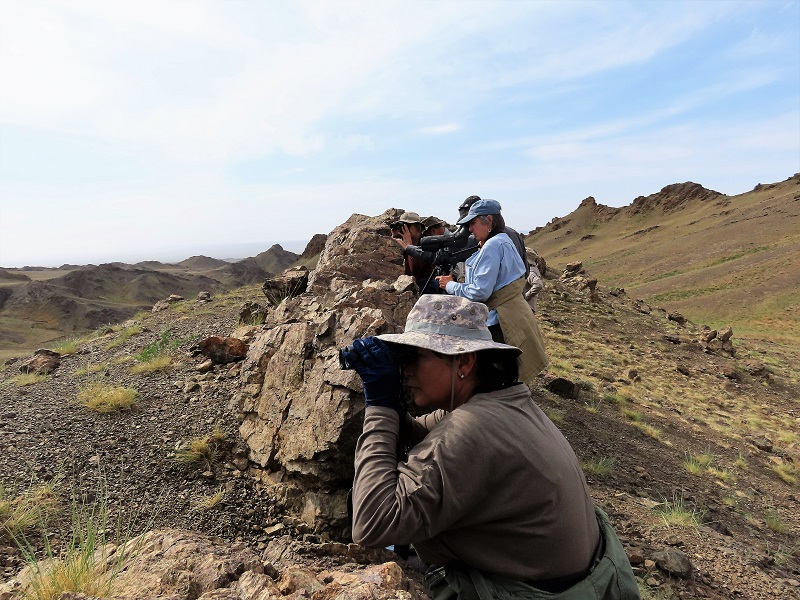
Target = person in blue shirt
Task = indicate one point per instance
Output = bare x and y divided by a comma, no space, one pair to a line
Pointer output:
495,275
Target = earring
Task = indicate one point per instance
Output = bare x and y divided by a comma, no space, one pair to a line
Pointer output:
461,375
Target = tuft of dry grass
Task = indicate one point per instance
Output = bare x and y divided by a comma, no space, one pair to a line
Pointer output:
69,346
124,335
26,379
697,464
210,502
19,514
773,520
556,415
599,468
90,369
89,561
724,475
788,472
105,399
202,451
678,514
161,362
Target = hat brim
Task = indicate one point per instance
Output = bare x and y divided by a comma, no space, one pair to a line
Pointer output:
467,219
444,344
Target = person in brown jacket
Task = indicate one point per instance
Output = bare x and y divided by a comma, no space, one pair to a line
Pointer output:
490,484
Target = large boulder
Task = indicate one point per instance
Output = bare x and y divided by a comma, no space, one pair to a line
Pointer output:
302,414
43,362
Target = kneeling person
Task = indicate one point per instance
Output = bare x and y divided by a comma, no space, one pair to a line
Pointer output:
491,488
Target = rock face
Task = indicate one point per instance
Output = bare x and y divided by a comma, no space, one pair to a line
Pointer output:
291,283
315,246
301,413
184,565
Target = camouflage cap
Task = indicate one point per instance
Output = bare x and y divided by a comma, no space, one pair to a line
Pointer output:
409,217
449,325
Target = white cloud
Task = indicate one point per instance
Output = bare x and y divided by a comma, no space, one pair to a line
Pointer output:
440,129
356,100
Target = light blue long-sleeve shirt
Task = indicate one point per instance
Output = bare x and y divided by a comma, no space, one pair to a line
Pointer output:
497,264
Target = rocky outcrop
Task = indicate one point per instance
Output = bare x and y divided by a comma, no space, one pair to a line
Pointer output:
575,277
166,303
301,414
291,283
315,246
717,342
185,565
43,362
672,197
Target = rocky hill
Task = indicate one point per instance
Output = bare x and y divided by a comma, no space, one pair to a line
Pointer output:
688,436
40,306
717,259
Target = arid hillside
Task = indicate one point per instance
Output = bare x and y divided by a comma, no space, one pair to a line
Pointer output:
39,307
717,259
688,437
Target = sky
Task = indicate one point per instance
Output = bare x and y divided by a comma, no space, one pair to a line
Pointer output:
158,130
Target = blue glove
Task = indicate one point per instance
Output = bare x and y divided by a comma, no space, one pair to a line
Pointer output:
372,359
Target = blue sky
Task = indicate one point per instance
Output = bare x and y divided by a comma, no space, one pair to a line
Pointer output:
159,130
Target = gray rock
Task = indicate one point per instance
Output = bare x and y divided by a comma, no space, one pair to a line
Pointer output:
673,561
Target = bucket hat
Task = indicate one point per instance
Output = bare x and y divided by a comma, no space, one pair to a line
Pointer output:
481,207
448,325
409,218
432,221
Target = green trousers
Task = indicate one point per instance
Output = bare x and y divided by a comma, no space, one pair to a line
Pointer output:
610,579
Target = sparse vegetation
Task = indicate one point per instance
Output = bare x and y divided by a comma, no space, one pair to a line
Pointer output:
631,414
593,406
288,290
89,561
600,467
105,398
66,347
20,514
774,521
210,502
124,335
90,369
155,356
556,415
696,464
26,379
650,430
676,513
161,362
724,475
788,472
659,593
202,451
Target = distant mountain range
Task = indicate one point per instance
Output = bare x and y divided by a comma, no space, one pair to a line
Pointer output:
38,305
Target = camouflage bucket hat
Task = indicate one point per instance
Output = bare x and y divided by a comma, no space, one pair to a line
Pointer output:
448,325
409,217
